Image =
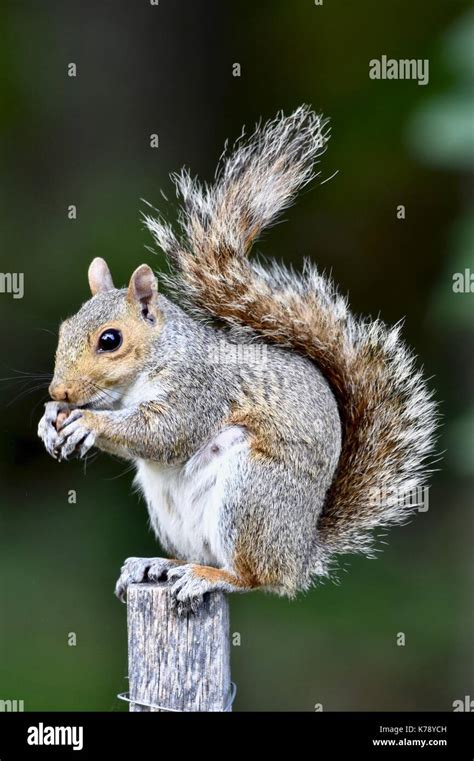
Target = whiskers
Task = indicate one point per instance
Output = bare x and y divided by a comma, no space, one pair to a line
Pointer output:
27,382
103,397
129,469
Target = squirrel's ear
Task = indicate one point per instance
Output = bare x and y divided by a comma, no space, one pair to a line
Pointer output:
99,276
142,289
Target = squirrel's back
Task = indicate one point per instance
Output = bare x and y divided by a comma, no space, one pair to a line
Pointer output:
387,415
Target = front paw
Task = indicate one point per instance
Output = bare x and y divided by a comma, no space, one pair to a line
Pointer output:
75,437
140,570
54,415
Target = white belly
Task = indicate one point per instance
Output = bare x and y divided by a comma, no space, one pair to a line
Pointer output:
184,501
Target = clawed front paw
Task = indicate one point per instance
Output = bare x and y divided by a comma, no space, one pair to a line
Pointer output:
64,432
49,424
141,570
74,436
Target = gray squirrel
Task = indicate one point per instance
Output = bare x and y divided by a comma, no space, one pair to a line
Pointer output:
262,417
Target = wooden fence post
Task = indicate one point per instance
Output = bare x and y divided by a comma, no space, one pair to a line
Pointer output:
180,663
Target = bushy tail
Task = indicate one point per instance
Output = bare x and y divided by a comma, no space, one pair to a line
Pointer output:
387,413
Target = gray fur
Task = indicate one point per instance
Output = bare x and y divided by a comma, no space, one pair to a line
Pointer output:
276,502
291,488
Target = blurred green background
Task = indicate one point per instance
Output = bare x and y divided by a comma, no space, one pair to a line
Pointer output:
143,69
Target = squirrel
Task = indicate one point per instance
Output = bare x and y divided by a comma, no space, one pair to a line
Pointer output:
260,414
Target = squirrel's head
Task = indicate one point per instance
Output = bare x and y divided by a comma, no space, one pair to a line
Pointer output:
102,345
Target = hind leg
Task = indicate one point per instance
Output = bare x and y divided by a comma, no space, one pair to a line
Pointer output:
190,582
142,570
267,528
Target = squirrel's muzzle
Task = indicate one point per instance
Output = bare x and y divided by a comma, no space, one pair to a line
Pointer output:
59,392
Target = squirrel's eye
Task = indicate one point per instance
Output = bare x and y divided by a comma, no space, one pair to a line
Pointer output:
110,340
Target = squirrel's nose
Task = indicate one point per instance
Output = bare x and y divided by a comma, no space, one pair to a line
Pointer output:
59,392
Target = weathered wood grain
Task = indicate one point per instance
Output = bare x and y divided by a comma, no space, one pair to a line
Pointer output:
178,662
